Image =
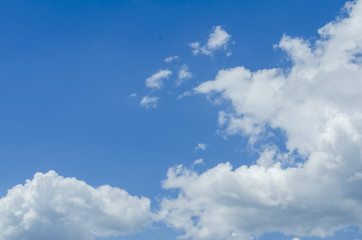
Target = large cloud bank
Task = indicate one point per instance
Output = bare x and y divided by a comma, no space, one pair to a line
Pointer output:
316,103
54,207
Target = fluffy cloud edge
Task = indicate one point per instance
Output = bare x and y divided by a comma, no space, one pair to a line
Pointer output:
54,207
321,118
156,80
218,39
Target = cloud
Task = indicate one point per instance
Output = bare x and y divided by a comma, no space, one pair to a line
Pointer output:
53,207
184,94
201,146
218,39
313,188
149,102
171,59
155,81
198,161
183,74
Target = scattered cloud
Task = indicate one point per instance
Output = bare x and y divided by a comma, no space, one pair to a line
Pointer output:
53,207
218,39
183,74
156,80
171,59
316,103
184,94
201,146
133,95
198,161
149,102
197,48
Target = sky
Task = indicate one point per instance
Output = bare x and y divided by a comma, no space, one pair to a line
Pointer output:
196,120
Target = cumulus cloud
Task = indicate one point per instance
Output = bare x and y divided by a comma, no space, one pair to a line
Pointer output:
149,102
314,187
156,80
53,207
171,59
218,39
183,74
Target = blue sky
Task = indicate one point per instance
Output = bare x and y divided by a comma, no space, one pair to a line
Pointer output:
73,76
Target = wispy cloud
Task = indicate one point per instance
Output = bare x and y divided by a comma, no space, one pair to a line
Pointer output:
201,146
198,161
156,80
184,94
149,102
171,59
183,74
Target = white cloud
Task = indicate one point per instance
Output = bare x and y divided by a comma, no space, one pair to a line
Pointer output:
171,59
317,104
133,95
156,80
53,207
149,102
198,161
201,146
197,48
183,74
184,94
219,39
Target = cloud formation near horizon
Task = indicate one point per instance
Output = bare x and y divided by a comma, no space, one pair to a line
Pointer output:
311,189
53,207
